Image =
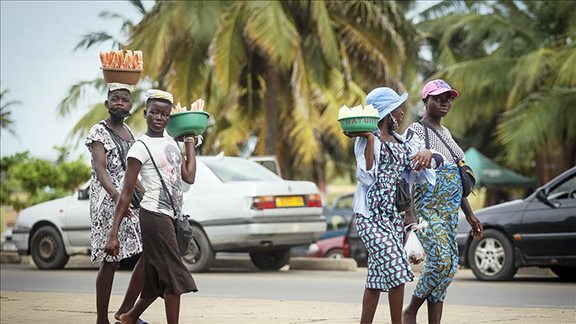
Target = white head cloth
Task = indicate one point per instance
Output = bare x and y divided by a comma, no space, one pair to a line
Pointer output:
159,94
119,86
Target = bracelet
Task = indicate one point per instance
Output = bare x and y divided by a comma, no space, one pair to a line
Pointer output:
189,139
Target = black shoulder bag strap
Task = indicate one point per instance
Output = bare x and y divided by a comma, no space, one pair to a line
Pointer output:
115,137
426,127
426,138
161,179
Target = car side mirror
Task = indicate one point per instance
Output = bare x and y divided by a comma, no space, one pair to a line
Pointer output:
83,194
542,195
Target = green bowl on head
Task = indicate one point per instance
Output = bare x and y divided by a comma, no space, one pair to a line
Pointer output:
359,124
187,123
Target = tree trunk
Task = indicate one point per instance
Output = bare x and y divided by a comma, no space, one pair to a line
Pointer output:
271,109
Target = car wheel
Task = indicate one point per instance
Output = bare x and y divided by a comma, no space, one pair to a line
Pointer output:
270,260
335,254
565,273
492,257
47,249
200,256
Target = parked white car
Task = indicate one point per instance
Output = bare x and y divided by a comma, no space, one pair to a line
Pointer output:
235,205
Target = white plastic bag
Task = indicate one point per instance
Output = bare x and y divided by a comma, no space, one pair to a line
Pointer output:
414,250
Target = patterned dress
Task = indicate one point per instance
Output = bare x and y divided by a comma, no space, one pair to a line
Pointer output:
102,206
382,230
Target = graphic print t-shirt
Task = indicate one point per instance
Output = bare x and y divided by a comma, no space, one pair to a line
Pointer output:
168,159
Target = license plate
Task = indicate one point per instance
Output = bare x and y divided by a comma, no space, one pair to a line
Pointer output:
290,201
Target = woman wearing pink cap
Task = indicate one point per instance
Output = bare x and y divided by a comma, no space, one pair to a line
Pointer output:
438,204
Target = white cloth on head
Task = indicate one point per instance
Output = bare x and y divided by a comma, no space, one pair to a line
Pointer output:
159,94
113,86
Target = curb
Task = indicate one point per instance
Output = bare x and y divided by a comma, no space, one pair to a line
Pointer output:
224,261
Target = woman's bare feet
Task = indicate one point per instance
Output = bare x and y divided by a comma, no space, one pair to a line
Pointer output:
125,319
408,318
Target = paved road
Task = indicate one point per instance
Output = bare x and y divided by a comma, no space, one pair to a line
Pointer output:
537,289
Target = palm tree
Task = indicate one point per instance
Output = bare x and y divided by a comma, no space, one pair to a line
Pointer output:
275,70
6,122
515,64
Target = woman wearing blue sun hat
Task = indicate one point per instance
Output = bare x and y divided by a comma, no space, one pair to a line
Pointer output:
382,156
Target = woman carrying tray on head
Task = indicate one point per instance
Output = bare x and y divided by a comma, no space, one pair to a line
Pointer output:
158,160
381,158
108,141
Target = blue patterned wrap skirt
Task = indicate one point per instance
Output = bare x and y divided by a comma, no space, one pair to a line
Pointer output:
438,205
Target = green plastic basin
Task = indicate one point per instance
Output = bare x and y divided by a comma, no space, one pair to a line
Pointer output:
187,123
358,124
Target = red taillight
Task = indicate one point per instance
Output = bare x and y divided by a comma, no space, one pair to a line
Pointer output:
313,200
264,202
346,247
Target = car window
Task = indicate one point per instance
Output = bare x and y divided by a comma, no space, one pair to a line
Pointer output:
565,190
230,170
344,202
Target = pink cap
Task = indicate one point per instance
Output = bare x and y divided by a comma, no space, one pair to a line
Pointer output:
436,87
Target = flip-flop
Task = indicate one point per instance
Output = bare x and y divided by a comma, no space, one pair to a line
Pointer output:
140,321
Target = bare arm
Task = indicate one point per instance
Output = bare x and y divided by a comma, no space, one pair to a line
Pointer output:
477,228
99,158
130,178
188,167
369,151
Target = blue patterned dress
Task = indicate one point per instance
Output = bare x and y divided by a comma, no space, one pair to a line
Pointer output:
382,230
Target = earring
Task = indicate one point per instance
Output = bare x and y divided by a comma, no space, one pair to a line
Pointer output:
393,123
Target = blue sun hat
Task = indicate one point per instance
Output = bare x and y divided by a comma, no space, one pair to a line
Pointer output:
385,100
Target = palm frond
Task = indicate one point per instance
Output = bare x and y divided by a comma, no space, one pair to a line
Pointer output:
94,114
228,52
91,39
565,60
529,73
77,93
484,97
139,6
325,33
272,32
542,119
302,117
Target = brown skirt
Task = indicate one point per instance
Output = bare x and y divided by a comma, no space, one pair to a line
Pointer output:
164,272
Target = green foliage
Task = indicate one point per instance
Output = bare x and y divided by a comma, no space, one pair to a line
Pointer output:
6,121
271,71
27,180
514,64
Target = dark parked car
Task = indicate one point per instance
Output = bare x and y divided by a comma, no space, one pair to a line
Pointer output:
353,246
537,231
339,214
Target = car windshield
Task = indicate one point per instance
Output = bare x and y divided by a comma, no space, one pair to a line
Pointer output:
232,169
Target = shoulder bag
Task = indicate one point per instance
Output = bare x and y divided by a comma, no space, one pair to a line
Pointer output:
184,231
137,195
402,199
466,173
